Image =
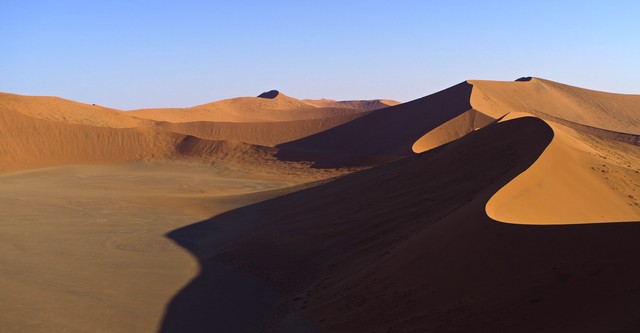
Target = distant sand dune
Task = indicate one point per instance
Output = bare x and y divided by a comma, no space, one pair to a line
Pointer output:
256,109
66,111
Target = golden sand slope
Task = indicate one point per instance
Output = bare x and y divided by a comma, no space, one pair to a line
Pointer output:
452,130
552,100
254,109
66,111
589,173
577,179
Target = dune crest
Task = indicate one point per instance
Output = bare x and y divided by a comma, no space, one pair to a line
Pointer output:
555,101
589,172
572,183
452,130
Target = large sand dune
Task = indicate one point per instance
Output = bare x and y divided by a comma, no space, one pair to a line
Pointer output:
408,247
488,206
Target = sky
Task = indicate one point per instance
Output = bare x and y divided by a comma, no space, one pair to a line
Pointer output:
136,54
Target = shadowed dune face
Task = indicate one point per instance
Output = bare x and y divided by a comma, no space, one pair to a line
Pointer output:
408,247
390,131
350,223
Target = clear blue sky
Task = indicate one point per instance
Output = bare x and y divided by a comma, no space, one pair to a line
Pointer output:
133,54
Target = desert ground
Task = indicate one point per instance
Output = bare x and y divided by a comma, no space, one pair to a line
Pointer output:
489,206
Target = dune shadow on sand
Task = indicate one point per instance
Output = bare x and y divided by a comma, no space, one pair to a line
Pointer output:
220,298
351,234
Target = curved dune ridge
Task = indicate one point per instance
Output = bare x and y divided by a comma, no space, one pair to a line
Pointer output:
577,179
452,130
588,174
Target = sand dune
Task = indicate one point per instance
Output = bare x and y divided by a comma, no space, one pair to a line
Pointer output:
256,109
408,247
588,161
66,111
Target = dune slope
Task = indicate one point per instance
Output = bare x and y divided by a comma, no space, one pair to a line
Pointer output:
555,101
576,180
66,111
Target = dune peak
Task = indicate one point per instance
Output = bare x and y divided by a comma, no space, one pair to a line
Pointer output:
271,94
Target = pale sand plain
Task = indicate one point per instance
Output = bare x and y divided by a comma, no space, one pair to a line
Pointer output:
84,247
